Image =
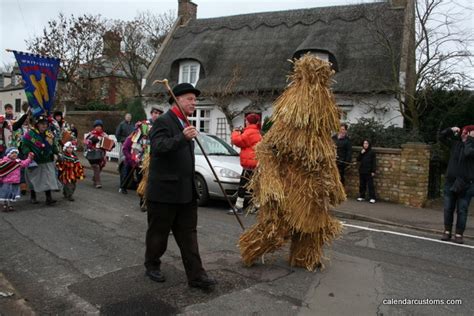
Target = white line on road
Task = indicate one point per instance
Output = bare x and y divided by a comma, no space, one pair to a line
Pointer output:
406,235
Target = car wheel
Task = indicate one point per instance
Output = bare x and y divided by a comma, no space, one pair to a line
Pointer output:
202,190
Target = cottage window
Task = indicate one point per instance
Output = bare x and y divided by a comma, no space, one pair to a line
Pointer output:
189,72
201,119
321,55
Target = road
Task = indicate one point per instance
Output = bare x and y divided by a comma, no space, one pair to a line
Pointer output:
86,257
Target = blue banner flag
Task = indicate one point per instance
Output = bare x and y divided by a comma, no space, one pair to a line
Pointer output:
39,74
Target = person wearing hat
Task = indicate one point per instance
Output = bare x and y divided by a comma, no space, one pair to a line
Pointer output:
154,113
10,175
459,180
94,154
70,170
42,178
246,140
171,192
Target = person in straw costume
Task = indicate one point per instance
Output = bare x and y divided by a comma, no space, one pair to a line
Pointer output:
296,182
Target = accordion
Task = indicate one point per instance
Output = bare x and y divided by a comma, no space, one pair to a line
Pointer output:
65,137
106,143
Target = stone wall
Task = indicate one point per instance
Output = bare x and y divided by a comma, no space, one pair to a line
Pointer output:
401,175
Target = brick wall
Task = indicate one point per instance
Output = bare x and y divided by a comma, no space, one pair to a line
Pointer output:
401,175
83,120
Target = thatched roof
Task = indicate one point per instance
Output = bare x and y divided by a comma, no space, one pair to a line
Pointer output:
257,47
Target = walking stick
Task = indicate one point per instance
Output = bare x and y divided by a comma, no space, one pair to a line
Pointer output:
165,82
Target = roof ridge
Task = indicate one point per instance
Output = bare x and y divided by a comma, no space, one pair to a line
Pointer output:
272,19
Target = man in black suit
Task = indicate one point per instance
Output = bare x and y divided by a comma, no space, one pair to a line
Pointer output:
171,191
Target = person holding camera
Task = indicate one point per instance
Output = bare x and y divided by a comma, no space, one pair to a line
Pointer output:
459,182
246,139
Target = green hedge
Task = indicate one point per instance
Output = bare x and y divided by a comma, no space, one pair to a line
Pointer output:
379,135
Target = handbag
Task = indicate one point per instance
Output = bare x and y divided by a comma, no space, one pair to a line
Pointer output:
94,155
459,186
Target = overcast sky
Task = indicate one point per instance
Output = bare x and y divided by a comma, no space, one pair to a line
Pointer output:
22,19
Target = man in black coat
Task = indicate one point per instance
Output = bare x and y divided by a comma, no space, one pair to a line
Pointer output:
171,191
459,181
343,151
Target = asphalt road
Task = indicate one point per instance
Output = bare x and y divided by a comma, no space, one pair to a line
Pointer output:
86,257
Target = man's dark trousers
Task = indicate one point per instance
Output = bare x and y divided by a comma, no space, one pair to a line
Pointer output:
182,218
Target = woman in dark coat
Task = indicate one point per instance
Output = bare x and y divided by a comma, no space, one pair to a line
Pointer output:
366,172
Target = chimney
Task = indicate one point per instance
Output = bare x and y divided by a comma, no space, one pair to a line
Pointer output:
111,44
399,3
187,10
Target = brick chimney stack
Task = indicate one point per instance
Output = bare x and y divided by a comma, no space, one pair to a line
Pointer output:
187,10
111,44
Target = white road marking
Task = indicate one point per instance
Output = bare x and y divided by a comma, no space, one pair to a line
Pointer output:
407,235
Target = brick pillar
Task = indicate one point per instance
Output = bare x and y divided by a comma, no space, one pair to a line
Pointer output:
414,174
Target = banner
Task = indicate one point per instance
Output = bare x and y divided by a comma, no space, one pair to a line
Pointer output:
39,74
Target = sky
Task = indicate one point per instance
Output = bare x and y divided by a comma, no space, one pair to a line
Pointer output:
21,20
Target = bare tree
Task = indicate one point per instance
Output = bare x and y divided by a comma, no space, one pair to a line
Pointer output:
440,55
225,95
77,41
141,39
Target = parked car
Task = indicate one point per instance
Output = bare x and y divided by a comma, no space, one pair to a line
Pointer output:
226,163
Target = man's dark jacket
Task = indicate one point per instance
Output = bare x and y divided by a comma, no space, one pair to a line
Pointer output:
123,131
461,158
171,174
344,148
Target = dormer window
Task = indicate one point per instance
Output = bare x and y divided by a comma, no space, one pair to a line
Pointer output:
321,55
189,72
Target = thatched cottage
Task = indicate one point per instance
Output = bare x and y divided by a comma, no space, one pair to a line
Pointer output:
241,63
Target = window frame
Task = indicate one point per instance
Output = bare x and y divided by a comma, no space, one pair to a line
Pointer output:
196,118
188,64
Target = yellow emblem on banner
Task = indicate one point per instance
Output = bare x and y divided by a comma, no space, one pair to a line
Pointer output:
41,89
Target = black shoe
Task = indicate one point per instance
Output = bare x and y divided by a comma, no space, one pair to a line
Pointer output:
50,202
155,275
458,239
33,197
70,198
123,191
446,236
203,282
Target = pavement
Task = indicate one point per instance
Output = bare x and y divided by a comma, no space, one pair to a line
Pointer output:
428,219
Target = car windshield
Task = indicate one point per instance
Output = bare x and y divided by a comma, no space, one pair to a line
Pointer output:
214,146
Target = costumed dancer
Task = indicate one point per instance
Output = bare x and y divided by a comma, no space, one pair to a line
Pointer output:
61,129
41,177
10,174
70,170
135,147
155,112
296,182
94,153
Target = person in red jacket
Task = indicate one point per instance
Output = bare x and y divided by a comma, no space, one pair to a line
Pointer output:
246,140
